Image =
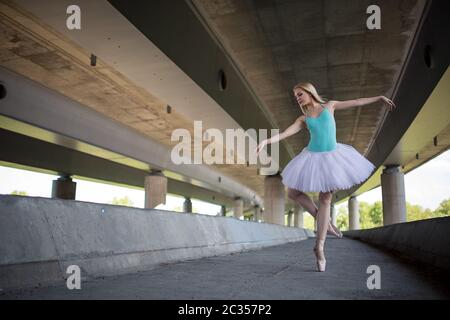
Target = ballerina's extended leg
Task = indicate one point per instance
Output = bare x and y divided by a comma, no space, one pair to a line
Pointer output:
306,202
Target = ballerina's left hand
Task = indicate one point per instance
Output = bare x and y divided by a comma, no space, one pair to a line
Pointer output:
389,102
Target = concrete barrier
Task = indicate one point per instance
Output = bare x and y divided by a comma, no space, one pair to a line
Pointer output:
40,238
427,241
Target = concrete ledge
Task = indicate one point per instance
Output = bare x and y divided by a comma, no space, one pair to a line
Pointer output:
40,238
427,241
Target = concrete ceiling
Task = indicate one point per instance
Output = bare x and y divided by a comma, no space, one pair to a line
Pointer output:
277,44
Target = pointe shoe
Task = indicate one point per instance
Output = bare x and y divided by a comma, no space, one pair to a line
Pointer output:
320,257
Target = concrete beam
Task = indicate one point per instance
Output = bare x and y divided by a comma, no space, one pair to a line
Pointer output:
68,123
45,157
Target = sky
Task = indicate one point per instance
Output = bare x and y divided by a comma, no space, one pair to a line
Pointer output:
426,186
40,185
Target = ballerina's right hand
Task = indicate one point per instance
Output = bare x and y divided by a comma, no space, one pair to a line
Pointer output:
261,146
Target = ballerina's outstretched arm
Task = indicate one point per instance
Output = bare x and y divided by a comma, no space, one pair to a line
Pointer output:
341,105
291,130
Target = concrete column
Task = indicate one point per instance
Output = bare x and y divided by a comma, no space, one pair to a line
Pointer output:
274,204
298,217
187,205
238,209
333,214
353,213
155,185
290,219
223,211
393,194
64,188
261,215
257,213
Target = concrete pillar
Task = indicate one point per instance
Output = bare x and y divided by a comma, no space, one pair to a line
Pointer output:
155,186
353,213
290,219
238,209
223,211
187,205
333,214
298,217
393,194
257,213
64,188
274,204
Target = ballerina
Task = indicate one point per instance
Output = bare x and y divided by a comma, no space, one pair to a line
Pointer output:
324,165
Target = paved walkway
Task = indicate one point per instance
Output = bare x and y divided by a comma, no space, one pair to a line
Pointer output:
282,272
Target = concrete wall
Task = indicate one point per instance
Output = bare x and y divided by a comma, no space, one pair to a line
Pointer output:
40,238
427,241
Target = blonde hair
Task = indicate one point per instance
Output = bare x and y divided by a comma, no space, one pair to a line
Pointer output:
308,87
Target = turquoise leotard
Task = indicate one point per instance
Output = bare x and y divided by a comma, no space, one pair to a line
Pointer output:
322,130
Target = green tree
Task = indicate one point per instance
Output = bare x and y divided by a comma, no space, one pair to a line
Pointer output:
178,209
342,219
308,221
370,215
376,214
124,201
416,212
19,193
443,210
364,217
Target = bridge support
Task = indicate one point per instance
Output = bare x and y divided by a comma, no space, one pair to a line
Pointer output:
353,213
274,195
223,211
187,205
393,194
155,185
257,215
64,188
290,218
333,214
298,217
238,210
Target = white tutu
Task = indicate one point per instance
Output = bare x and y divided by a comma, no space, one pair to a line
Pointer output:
327,171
